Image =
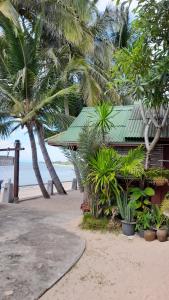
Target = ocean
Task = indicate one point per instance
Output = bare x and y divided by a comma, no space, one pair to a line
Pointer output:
27,176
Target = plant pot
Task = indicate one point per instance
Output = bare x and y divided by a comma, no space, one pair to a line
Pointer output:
162,234
128,228
160,181
149,235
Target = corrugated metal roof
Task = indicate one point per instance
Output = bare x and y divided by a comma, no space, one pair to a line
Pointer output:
88,116
135,128
128,127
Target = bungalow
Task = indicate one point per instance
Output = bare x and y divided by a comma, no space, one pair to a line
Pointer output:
127,132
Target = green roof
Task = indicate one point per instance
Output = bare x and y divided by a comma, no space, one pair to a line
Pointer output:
128,127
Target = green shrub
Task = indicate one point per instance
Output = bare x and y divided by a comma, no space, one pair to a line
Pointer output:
89,222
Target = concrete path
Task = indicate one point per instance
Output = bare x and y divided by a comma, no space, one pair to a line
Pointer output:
35,249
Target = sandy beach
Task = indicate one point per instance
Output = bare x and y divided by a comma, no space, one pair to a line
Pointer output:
33,191
113,267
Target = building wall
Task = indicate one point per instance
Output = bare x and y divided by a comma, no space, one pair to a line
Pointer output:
156,159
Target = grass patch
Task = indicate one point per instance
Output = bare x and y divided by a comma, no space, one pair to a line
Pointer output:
89,222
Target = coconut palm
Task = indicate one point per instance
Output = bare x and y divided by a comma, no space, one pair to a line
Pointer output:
31,84
5,125
71,17
25,83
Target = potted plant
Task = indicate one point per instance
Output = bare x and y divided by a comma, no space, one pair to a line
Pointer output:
143,221
139,200
127,214
140,197
160,181
160,223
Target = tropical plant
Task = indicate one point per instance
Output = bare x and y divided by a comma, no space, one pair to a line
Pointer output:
152,173
132,167
165,205
104,168
8,10
5,125
140,198
104,122
143,220
25,84
143,66
159,219
71,17
126,211
102,178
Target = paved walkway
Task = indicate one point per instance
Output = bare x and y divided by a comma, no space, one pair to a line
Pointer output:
35,249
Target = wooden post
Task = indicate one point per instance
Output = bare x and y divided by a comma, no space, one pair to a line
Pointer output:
16,170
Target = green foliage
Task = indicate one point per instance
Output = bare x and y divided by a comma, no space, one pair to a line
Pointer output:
140,198
102,178
142,68
144,220
126,211
103,169
89,143
159,219
132,163
89,222
6,125
104,123
165,205
152,173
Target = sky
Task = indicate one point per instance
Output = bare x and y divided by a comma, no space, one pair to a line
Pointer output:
54,152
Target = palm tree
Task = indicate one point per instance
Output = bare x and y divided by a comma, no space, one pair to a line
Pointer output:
71,17
30,83
5,125
24,83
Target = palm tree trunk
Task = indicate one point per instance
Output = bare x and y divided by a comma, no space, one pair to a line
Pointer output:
35,162
59,187
78,177
73,160
66,107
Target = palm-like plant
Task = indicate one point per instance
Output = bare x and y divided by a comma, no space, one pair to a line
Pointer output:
70,17
5,124
102,178
104,122
25,85
8,10
105,167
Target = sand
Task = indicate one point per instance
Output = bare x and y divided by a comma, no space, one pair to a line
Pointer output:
113,267
32,191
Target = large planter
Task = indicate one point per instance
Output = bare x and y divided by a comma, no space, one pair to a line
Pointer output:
149,235
128,228
162,234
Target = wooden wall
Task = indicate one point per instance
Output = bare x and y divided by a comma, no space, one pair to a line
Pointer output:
156,159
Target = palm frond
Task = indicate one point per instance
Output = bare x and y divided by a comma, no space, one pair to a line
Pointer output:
132,163
8,10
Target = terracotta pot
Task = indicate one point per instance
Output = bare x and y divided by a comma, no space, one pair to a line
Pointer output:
149,235
160,181
162,235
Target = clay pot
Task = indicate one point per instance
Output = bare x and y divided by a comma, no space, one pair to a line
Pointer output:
160,181
149,235
162,235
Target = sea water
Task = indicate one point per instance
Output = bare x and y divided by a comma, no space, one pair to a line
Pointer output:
27,176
